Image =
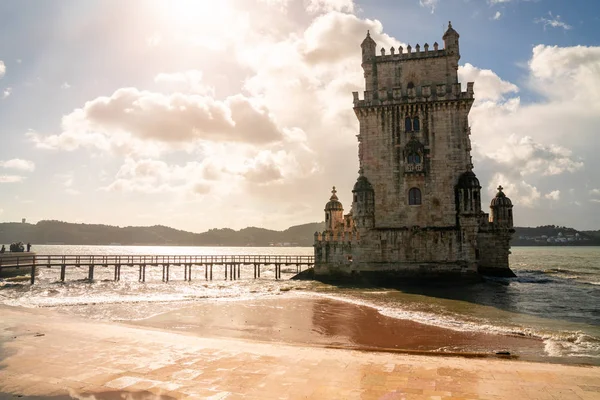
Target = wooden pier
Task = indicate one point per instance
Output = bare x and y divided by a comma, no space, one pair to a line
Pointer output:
231,264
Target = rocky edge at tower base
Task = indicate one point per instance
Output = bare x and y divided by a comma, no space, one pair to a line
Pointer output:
416,208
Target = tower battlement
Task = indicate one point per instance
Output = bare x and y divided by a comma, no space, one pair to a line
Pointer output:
416,94
408,53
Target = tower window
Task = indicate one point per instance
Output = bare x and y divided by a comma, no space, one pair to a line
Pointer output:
416,124
414,158
414,197
410,85
408,124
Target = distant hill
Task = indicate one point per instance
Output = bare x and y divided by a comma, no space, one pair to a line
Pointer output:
552,235
58,232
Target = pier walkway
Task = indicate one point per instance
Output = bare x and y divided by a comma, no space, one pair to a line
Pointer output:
231,264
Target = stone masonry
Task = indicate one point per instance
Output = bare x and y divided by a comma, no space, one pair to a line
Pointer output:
416,209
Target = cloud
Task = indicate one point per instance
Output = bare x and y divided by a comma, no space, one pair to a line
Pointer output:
190,80
497,16
530,157
11,178
17,163
65,85
553,22
130,116
330,5
2,69
7,92
553,195
488,85
431,4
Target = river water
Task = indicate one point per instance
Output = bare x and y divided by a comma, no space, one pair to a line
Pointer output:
555,296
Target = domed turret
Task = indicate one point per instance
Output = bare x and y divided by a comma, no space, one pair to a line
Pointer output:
501,210
363,204
468,180
369,48
334,212
334,203
468,199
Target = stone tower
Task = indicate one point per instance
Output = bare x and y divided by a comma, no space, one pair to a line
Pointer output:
416,207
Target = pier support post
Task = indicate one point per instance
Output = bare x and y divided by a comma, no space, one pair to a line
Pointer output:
211,267
254,270
167,276
239,268
91,273
185,272
62,272
258,268
205,272
33,271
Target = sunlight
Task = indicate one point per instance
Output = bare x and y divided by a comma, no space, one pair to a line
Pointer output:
200,13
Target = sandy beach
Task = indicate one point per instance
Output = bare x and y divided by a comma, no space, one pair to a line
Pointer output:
269,349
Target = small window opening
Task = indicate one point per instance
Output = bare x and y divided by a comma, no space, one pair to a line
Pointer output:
408,124
416,124
414,197
414,158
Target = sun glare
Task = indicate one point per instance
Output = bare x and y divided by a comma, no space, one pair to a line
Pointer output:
200,13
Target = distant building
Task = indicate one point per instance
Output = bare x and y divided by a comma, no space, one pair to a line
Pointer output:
23,220
416,208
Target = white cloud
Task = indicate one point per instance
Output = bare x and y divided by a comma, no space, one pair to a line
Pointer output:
330,5
497,16
2,68
11,178
129,117
190,80
553,195
553,22
6,92
529,157
65,85
488,85
17,163
431,4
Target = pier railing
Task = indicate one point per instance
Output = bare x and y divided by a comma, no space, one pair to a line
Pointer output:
230,262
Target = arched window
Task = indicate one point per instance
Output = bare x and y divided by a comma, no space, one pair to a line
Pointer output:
416,124
414,197
408,124
414,158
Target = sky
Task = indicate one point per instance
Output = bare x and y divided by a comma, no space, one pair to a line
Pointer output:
233,113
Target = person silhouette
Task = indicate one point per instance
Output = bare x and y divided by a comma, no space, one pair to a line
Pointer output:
28,247
3,249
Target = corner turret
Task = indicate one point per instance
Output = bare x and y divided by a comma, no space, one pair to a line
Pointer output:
334,213
501,210
368,48
363,203
451,41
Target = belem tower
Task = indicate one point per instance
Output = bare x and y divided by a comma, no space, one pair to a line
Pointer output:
416,205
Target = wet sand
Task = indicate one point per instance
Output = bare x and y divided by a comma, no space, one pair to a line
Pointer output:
326,322
265,349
